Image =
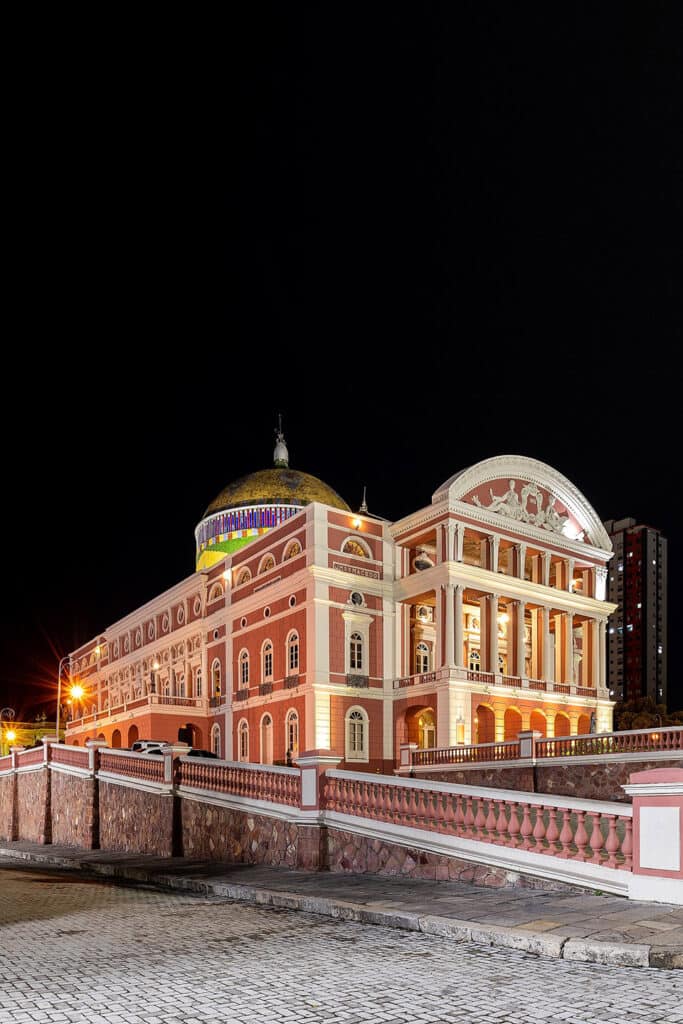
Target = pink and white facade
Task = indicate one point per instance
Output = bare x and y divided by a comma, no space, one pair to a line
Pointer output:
470,620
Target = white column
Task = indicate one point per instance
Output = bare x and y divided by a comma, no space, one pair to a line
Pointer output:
450,540
439,660
559,625
545,563
569,647
459,541
602,676
545,633
459,635
494,548
493,632
519,667
570,572
450,638
520,554
595,650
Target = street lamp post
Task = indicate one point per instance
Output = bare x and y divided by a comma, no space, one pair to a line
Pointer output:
63,661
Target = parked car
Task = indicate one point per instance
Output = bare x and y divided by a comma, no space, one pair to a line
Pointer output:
196,752
147,746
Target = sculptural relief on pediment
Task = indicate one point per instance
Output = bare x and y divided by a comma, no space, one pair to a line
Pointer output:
527,503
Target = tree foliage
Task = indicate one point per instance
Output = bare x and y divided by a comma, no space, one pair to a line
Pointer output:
643,713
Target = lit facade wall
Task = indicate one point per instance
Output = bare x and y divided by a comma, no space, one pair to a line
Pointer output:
480,615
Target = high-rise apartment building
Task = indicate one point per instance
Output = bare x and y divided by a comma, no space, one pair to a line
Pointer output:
637,641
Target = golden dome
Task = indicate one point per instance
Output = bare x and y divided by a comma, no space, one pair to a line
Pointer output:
279,486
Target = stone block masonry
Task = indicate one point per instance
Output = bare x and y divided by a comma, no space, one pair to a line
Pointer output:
135,820
32,807
75,810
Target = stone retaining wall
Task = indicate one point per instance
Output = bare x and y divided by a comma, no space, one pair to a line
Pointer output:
220,833
32,809
347,851
135,820
588,781
74,810
7,784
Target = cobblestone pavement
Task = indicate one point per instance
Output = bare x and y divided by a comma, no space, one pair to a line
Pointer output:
75,949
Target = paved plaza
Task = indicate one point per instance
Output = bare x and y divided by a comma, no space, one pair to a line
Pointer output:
78,949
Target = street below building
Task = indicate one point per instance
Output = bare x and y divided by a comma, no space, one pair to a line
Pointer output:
75,949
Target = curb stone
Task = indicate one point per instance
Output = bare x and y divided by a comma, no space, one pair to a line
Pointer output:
556,946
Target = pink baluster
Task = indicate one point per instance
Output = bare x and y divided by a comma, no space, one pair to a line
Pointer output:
372,800
381,795
525,829
581,836
491,823
480,819
566,835
459,816
627,844
513,825
539,831
449,813
469,819
397,804
612,842
502,825
597,841
439,812
405,806
552,832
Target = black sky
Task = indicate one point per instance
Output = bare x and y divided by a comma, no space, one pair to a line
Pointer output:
427,234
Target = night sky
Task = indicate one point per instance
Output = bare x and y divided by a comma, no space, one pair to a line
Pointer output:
426,234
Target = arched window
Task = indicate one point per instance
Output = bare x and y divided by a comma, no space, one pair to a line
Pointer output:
215,592
266,740
243,577
243,741
293,652
357,735
421,658
356,652
267,661
180,685
198,683
475,661
244,668
292,735
216,677
292,550
216,739
354,547
267,563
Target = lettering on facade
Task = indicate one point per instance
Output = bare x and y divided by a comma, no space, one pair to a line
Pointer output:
355,571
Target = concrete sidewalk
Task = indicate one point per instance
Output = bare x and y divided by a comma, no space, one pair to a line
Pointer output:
573,925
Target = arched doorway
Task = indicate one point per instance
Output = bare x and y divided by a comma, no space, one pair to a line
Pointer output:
485,723
190,734
513,723
584,725
562,726
538,722
417,725
426,730
101,736
266,740
133,735
116,739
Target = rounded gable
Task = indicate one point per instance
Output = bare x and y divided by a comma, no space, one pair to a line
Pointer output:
525,490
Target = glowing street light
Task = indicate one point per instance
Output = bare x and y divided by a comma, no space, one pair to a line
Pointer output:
10,735
63,661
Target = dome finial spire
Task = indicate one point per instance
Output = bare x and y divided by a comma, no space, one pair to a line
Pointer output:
280,455
363,504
